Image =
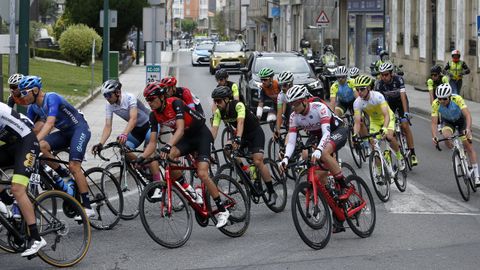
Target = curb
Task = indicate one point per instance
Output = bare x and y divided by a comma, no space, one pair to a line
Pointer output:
89,98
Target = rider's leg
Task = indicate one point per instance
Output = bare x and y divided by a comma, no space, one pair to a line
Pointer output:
447,131
472,154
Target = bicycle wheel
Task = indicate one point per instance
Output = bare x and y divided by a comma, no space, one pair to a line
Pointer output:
130,187
169,229
273,149
67,240
404,150
380,180
401,177
279,182
361,219
312,222
226,136
214,163
347,169
460,175
235,201
106,198
357,158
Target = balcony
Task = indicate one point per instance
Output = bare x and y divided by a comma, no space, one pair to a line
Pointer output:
258,10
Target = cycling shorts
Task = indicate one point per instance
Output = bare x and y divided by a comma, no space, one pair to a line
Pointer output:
76,138
345,106
138,135
338,138
254,141
197,141
376,125
397,106
459,125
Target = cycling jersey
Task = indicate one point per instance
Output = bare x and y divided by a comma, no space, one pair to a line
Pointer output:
66,116
12,127
269,92
236,110
176,109
373,108
343,92
128,101
452,112
391,90
318,121
189,98
432,85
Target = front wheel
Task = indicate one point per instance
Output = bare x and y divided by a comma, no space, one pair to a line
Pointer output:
355,150
360,208
279,182
460,175
380,179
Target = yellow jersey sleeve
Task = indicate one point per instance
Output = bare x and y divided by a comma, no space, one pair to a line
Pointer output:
217,118
435,107
235,91
334,89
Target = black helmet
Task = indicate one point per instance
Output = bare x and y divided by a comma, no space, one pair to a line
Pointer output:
222,92
221,74
436,69
304,43
382,53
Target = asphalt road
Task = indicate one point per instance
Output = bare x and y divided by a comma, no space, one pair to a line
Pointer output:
427,227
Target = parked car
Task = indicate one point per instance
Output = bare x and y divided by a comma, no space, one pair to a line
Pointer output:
227,55
278,61
201,53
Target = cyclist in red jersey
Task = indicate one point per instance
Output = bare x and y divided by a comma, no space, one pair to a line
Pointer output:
191,135
183,93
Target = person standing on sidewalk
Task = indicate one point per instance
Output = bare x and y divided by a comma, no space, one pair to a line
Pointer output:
455,69
436,78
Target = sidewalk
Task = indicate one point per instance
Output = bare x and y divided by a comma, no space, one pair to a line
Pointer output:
420,104
133,81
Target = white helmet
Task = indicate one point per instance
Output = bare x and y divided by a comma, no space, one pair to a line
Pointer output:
297,92
341,71
387,66
110,86
285,77
353,72
15,79
443,90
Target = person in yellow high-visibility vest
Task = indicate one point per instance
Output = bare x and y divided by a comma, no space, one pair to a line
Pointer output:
455,69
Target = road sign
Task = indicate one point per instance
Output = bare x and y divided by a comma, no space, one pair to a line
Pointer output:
153,73
322,19
112,16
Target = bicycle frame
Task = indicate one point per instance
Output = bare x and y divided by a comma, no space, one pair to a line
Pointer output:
377,147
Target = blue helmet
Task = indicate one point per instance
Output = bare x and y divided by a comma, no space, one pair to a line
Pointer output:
28,82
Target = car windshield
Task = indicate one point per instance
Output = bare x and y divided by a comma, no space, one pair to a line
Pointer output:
278,64
230,47
204,47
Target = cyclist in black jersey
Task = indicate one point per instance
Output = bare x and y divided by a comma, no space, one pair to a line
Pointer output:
248,131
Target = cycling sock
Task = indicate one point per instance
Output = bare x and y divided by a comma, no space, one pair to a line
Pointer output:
4,197
32,228
475,170
339,178
269,187
156,177
412,150
219,204
399,155
62,172
86,201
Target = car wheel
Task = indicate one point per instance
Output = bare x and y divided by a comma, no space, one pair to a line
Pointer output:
193,64
212,70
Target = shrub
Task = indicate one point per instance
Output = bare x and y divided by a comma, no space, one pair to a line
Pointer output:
76,43
48,53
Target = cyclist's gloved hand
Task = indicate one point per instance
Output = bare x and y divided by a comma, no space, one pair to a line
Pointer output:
383,131
406,115
283,164
97,148
122,138
166,148
435,140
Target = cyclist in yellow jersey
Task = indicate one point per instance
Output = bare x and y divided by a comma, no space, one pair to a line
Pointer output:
342,92
382,118
221,76
455,115
436,78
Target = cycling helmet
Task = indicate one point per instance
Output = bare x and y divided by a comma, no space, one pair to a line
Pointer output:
456,52
168,82
353,72
341,71
329,48
444,91
304,43
15,79
222,92
221,74
265,73
363,80
153,89
28,82
285,77
110,86
387,66
436,69
382,53
297,92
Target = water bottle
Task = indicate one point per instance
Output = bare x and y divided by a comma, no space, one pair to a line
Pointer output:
189,190
198,192
68,186
253,172
387,156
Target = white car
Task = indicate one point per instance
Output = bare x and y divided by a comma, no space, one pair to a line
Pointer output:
201,54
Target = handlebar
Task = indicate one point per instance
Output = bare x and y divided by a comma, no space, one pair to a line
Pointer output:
437,145
124,148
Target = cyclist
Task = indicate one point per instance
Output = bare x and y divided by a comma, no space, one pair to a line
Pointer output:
455,69
13,82
19,147
382,118
353,72
182,93
393,88
221,76
191,135
285,80
384,57
73,132
342,93
248,131
436,78
269,89
326,131
455,116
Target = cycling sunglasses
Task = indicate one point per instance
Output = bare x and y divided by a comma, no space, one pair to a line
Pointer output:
150,98
108,95
13,86
25,92
443,99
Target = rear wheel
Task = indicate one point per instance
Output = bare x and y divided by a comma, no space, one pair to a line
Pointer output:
401,177
360,208
354,150
460,175
379,177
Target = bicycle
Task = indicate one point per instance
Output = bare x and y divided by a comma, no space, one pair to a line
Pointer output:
359,153
461,168
402,141
312,202
250,178
168,221
383,170
62,233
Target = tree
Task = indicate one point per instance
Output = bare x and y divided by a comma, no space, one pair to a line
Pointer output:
189,25
219,22
76,43
47,8
87,12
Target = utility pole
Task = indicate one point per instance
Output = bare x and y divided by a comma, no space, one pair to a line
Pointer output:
13,40
23,37
106,40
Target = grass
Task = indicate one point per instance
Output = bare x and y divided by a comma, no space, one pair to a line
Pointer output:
70,81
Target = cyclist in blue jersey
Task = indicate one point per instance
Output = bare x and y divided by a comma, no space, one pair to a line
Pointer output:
73,131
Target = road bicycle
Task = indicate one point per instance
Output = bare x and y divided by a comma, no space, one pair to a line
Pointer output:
312,202
67,240
383,169
462,170
358,151
169,220
402,140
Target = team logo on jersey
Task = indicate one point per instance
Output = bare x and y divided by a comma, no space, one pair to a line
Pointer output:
29,160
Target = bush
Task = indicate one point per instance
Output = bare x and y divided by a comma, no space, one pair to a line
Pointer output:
48,53
76,43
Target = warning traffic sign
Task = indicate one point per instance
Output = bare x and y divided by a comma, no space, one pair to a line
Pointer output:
322,19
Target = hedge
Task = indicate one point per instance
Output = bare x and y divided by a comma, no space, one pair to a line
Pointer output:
47,53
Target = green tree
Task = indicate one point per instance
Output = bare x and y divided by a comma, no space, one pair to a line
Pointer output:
219,22
47,8
60,25
189,25
87,12
76,43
